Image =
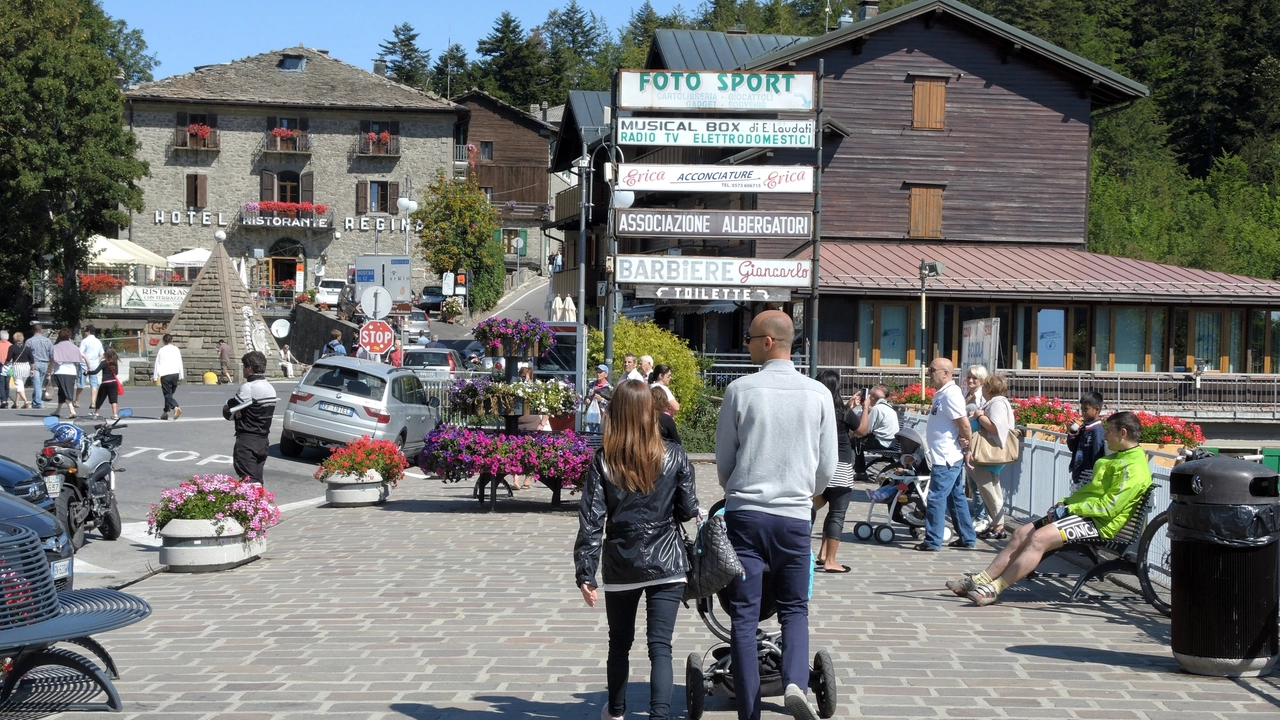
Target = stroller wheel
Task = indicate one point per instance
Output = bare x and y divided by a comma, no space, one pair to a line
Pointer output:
862,531
917,533
884,534
823,682
695,686
947,534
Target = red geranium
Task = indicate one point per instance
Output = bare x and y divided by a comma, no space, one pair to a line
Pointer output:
284,133
200,130
384,137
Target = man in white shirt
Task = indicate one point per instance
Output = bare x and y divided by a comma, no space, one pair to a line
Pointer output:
646,367
91,346
169,371
877,425
629,369
947,438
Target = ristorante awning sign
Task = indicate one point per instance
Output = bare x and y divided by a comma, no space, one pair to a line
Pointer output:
718,132
677,224
716,178
718,91
719,271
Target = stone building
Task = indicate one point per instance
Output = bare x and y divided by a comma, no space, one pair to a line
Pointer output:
298,157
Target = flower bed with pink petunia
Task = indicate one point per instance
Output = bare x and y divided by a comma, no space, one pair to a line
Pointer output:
218,498
458,453
1169,430
1044,411
911,395
511,337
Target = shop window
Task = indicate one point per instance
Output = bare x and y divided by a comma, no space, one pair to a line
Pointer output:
928,103
1208,340
486,149
866,332
894,335
1079,338
1264,341
1130,340
1180,325
1102,339
1156,341
925,211
945,334
1051,338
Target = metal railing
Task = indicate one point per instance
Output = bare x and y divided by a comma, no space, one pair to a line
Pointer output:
1211,396
460,154
132,345
526,210
184,139
1042,475
567,203
299,143
391,147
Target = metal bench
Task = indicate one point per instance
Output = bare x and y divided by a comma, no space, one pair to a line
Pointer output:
34,617
1124,546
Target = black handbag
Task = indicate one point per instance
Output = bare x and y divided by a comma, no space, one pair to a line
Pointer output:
713,563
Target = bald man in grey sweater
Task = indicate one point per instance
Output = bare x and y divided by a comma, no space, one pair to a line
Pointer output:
775,450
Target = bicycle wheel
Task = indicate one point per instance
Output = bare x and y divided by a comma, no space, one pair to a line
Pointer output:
1153,563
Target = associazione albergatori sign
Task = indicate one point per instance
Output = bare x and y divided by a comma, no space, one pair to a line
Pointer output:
662,223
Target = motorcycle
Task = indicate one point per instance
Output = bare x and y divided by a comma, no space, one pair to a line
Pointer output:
80,475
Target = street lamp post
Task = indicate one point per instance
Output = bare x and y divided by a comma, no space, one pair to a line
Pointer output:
928,269
408,207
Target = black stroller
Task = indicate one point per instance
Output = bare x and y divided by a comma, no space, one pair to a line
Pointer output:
717,678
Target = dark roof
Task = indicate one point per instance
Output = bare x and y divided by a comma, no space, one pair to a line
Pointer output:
1033,273
1109,88
709,50
523,114
323,82
583,120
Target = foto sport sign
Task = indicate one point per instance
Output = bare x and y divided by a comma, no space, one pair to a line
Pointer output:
718,91
721,271
716,178
718,132
377,337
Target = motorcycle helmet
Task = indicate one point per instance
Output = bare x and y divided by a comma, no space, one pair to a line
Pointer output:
67,435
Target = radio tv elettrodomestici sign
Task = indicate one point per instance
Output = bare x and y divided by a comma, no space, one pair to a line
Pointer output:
715,91
716,178
715,132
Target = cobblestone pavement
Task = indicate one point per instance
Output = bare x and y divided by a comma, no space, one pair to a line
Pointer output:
428,608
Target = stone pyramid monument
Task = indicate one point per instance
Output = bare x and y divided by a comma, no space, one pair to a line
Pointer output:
219,306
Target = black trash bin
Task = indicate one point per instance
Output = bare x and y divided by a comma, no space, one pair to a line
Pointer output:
1224,525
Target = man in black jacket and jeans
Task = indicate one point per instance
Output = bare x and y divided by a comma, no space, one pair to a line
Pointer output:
251,408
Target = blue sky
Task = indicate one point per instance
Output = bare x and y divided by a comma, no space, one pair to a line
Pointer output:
185,35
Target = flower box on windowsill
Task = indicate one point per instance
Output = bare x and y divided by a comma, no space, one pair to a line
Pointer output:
379,147
184,140
299,142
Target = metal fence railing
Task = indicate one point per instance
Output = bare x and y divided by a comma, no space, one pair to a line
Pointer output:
131,345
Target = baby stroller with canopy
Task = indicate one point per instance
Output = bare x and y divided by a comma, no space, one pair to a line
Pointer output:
716,677
900,499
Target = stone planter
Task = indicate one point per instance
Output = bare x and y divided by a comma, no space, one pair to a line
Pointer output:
1045,435
1161,460
194,546
356,490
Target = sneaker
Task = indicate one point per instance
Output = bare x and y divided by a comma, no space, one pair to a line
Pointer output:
177,413
962,586
981,524
798,704
983,595
604,713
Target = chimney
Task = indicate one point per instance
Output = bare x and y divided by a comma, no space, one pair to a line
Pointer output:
543,111
380,67
846,18
533,109
868,9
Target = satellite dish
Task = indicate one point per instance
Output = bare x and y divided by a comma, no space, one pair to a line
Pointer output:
280,328
376,302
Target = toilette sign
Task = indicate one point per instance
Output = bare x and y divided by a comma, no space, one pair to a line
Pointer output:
723,91
721,271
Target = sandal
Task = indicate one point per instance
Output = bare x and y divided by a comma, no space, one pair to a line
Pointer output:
958,543
996,534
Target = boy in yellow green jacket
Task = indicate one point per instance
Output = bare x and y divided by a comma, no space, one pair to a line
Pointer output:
1097,510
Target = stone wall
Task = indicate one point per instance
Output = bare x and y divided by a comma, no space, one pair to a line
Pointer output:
310,331
234,172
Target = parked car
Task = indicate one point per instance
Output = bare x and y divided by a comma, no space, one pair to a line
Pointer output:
342,398
432,364
431,298
416,322
54,540
24,482
329,291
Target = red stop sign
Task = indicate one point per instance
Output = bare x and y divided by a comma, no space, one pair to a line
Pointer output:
377,337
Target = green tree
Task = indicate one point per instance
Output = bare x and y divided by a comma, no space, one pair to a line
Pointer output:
635,36
67,164
516,65
458,225
666,348
574,39
123,45
453,74
407,63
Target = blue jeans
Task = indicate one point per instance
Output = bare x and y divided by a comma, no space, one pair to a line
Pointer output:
662,605
782,546
38,370
946,494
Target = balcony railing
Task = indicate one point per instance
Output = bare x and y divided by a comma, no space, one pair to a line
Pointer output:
523,210
460,154
185,140
567,203
391,147
250,217
299,143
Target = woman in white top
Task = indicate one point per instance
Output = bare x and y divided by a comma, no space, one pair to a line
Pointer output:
661,377
287,361
974,376
995,419
65,365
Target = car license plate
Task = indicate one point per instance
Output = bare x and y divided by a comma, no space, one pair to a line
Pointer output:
53,483
335,409
61,568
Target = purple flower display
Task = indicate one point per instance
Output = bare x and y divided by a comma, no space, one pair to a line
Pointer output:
218,498
520,335
457,453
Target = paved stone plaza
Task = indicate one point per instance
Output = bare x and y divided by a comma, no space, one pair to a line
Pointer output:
428,608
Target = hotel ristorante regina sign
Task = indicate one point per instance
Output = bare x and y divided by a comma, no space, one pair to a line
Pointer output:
712,224
715,91
722,271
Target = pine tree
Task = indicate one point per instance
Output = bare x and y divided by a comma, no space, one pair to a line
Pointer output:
406,62
452,74
574,38
516,67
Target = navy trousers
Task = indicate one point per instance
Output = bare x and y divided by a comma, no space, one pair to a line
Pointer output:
780,546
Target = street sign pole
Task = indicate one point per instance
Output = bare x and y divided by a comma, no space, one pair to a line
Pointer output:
817,230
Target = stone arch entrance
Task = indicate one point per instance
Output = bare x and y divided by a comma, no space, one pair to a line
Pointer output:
287,261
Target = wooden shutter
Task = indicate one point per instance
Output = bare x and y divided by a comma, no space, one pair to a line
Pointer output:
497,237
395,127
393,194
191,190
202,191
365,127
272,124
211,119
303,124
524,247
362,197
928,103
925,212
182,119
306,187
267,190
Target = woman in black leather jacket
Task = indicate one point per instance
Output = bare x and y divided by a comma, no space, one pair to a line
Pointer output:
637,489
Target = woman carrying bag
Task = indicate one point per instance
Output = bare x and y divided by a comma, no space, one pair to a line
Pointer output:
994,445
637,491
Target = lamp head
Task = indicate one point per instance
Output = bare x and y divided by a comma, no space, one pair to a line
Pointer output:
403,203
337,235
931,268
623,199
220,236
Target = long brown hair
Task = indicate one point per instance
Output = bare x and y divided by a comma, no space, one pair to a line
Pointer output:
633,449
